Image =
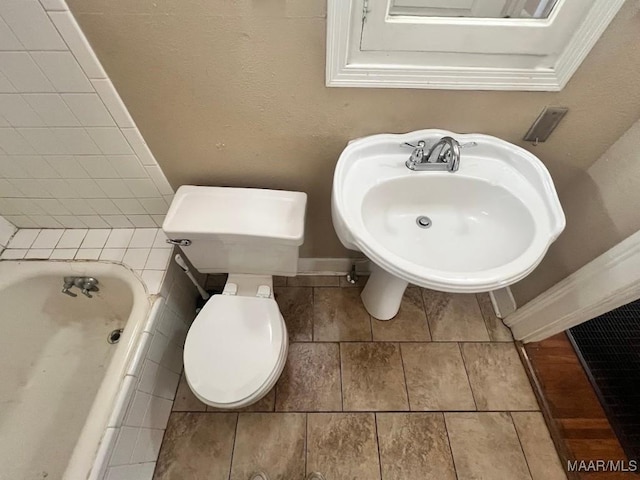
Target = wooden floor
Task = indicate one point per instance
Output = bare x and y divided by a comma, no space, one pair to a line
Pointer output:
582,430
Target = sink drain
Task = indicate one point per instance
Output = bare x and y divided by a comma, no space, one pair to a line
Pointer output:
423,222
114,337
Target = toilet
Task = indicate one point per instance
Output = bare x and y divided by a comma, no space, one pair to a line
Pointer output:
237,345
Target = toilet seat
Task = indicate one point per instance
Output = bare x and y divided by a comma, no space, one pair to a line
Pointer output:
235,350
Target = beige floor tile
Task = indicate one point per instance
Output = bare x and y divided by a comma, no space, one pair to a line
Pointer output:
311,379
538,447
296,306
436,377
185,400
497,377
270,442
409,325
197,445
454,317
343,446
485,446
339,315
498,331
265,404
414,446
314,281
372,377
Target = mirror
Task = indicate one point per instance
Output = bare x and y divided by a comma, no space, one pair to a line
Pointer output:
473,8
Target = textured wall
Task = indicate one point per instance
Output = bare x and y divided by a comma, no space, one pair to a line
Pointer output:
231,92
601,206
70,154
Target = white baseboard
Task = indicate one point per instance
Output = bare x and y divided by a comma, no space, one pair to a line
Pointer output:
331,266
503,302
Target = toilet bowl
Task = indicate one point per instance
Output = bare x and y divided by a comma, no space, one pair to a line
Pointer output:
235,349
237,346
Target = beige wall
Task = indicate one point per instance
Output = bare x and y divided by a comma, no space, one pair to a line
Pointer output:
602,206
231,92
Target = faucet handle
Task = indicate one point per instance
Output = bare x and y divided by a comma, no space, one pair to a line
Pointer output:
421,144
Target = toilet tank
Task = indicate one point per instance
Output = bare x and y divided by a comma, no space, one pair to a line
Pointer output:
238,230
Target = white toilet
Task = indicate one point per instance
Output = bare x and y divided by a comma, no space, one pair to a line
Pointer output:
237,346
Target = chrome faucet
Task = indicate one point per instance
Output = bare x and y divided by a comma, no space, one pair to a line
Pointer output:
443,155
85,284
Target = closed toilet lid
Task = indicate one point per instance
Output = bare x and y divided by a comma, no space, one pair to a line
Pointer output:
233,347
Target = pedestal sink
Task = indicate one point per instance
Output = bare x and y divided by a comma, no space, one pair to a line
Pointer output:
478,229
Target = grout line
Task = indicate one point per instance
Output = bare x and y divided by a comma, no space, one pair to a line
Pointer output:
466,371
484,320
426,315
306,442
404,375
233,448
453,458
375,422
313,312
524,455
341,386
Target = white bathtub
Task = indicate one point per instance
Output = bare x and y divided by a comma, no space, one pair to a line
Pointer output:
59,377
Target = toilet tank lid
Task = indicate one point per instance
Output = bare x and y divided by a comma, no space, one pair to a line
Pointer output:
255,212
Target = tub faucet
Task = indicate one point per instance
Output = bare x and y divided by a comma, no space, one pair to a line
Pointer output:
85,284
443,155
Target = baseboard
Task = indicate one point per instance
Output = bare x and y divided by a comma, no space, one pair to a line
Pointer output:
503,302
332,266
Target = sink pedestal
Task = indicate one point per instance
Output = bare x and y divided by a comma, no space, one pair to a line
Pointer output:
383,293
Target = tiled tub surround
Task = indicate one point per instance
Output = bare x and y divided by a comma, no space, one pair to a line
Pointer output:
147,388
437,393
70,154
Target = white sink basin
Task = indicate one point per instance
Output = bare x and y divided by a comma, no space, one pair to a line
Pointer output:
492,221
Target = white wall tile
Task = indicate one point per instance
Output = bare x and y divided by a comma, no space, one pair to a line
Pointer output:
138,471
143,238
127,166
97,166
18,113
63,71
45,221
30,24
63,254
21,221
103,206
153,280
161,240
86,188
88,109
24,238
119,238
70,221
135,367
27,206
11,168
124,446
43,141
7,230
47,239
51,206
8,40
93,221
159,180
110,140
157,413
88,254
50,5
135,258
23,73
73,36
5,84
117,221
158,259
135,139
142,187
51,110
96,238
147,445
13,143
72,238
28,188
113,102
13,254
142,221
112,254
36,166
38,253
114,188
129,206
77,206
76,141
67,166
138,409
125,395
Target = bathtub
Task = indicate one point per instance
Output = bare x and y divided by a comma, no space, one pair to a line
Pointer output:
59,375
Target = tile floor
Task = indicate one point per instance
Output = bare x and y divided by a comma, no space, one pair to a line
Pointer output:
436,393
